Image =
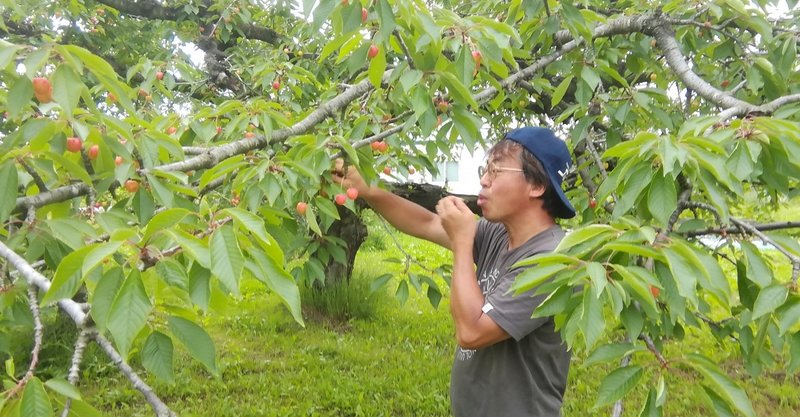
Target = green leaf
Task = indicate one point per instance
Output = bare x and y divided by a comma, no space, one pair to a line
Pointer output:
68,277
618,383
722,384
8,189
63,387
769,299
193,246
788,315
129,312
386,19
597,273
278,281
164,220
662,198
748,290
19,95
581,235
757,269
100,252
684,274
559,92
35,402
535,276
593,322
103,296
611,352
590,77
67,88
720,406
157,355
377,66
227,261
379,282
196,341
794,352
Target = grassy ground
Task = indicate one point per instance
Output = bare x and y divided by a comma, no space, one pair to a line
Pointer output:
394,362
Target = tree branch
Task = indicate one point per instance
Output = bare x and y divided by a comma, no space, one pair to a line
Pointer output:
219,153
38,333
158,406
665,38
76,313
53,196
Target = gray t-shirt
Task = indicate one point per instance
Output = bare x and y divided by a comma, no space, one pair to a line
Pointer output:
525,375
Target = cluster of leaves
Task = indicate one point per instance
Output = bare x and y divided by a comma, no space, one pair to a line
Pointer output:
199,167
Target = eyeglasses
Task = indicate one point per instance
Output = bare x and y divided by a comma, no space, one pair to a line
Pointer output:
491,170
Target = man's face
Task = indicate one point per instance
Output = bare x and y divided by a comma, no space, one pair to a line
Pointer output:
504,190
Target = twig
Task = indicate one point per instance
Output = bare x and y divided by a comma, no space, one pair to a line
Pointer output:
38,333
405,48
409,259
32,172
158,406
766,239
74,370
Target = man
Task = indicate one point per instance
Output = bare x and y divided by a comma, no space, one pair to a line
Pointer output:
506,364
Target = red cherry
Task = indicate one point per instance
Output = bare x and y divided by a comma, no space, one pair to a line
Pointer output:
443,106
373,51
375,145
118,160
592,203
364,14
655,291
93,152
352,193
301,208
276,85
159,75
219,130
340,199
387,170
171,130
74,144
42,89
132,186
382,147
249,135
476,56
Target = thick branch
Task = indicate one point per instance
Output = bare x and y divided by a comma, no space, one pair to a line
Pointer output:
737,230
220,153
159,407
53,196
666,41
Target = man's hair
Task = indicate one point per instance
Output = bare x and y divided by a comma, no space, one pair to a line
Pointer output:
532,169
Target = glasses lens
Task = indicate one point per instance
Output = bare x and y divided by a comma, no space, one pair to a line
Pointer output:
481,171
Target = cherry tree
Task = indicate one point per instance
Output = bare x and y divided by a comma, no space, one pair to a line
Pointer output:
155,154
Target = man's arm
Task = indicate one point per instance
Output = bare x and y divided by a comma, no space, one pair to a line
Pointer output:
474,328
405,215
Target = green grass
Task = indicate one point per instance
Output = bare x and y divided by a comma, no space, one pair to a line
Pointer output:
385,360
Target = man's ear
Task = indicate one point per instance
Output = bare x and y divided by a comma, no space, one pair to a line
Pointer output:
536,191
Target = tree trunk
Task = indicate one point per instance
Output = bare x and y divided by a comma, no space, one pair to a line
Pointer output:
353,232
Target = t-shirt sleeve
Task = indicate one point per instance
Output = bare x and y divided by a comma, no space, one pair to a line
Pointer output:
513,313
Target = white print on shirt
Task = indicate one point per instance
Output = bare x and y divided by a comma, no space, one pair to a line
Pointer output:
463,355
487,280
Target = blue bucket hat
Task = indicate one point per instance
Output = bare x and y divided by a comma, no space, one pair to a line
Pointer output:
554,156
